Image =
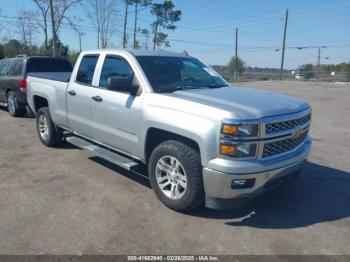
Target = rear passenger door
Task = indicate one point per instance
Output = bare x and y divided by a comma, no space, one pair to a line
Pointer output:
79,94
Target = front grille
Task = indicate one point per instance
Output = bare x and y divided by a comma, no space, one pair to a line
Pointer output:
286,125
282,146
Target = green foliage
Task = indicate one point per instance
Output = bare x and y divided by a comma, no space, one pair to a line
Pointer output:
165,18
309,71
161,38
345,68
2,55
72,57
231,67
13,48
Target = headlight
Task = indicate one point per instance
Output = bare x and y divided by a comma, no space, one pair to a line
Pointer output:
237,138
238,150
240,130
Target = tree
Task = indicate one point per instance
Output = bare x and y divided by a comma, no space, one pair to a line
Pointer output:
76,29
127,3
136,4
165,17
345,68
309,71
26,29
146,33
62,50
103,15
2,52
231,67
60,8
44,9
13,48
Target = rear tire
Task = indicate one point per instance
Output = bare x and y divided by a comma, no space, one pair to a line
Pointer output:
49,134
12,106
175,172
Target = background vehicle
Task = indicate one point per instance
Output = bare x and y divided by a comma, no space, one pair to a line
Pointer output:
13,78
202,140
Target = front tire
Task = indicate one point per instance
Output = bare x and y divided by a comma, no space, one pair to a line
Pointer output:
176,175
49,134
12,106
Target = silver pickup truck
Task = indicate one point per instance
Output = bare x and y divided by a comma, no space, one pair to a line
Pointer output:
203,141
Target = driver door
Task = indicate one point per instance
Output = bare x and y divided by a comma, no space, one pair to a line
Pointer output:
116,115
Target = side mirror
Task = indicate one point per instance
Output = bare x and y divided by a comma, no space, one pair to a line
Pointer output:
124,84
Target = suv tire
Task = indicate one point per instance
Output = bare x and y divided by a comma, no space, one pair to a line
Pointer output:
49,134
175,172
12,106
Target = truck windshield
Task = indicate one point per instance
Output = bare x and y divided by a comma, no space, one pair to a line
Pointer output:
169,74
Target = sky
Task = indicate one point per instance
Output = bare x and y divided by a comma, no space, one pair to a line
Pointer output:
207,29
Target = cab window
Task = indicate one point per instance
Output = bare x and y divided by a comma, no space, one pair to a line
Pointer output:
86,69
114,66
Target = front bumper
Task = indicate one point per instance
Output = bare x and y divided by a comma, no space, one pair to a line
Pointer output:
219,174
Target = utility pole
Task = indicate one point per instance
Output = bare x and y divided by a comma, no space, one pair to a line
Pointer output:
284,43
318,62
135,25
125,21
54,39
236,57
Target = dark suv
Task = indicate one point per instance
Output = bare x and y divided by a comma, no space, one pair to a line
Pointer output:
13,78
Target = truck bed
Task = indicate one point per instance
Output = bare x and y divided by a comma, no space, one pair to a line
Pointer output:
56,76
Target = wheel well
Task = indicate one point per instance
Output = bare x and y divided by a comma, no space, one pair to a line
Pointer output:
39,102
156,136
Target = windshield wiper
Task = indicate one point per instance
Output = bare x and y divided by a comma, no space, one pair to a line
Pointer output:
174,89
216,86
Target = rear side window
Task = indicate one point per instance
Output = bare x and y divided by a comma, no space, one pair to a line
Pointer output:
46,64
4,67
114,66
86,69
16,67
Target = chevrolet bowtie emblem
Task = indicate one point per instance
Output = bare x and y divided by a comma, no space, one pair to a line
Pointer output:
298,133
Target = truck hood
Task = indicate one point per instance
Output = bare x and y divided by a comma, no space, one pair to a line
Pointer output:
247,103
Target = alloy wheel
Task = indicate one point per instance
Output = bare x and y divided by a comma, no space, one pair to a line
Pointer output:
171,177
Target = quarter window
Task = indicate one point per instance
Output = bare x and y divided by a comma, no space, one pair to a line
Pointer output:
114,66
16,68
4,68
86,69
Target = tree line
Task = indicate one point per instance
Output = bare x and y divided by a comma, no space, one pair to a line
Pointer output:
101,17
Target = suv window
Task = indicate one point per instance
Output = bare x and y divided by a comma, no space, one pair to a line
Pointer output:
4,67
16,67
86,69
114,66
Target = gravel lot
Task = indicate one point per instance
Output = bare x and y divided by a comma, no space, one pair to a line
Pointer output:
65,201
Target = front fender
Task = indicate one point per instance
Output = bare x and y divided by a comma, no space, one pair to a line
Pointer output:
201,130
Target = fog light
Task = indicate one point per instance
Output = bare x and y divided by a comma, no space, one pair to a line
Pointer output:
242,183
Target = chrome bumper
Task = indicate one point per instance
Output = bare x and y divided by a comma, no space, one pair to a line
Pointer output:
217,182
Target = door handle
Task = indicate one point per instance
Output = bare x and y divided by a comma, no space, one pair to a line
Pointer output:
72,92
97,98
